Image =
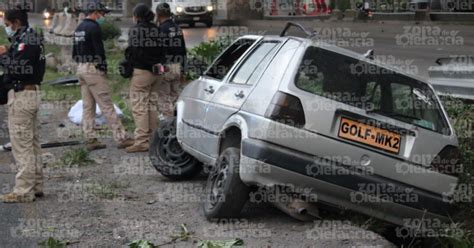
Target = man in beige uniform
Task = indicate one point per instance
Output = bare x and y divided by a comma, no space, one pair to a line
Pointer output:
89,53
24,65
175,59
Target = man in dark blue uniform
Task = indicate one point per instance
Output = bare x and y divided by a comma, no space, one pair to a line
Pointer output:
174,47
89,53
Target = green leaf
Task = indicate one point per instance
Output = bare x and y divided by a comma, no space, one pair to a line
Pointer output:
141,244
220,243
52,243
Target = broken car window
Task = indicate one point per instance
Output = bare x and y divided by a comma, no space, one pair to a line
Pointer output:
370,87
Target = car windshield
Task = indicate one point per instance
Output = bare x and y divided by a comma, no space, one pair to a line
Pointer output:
370,87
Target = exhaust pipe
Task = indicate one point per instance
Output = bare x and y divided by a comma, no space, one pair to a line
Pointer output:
298,209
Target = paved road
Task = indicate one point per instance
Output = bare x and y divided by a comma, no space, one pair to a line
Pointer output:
410,46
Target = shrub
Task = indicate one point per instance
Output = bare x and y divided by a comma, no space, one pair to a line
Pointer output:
344,5
202,55
110,30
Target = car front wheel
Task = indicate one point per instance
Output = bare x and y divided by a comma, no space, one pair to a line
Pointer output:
226,194
168,157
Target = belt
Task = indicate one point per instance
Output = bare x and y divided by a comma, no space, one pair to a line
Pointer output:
31,87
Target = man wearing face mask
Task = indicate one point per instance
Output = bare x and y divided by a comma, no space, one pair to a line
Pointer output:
24,65
89,53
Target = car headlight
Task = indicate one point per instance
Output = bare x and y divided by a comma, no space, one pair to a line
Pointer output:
179,9
210,8
46,14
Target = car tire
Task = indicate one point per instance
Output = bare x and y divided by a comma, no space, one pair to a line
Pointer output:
168,157
209,23
226,194
192,24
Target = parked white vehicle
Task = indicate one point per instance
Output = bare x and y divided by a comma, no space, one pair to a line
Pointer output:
189,11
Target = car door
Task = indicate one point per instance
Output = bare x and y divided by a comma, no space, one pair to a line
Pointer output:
230,96
197,95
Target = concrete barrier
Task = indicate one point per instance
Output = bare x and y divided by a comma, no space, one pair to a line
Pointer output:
54,23
349,15
453,76
452,17
81,17
400,16
422,15
69,26
61,21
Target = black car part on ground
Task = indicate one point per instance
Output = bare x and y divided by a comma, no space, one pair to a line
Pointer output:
69,80
7,147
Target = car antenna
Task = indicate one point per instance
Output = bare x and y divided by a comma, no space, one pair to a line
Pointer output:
294,24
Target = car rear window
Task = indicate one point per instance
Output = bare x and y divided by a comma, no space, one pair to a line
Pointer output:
370,87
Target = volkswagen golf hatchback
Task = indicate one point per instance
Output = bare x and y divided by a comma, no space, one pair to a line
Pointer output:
290,112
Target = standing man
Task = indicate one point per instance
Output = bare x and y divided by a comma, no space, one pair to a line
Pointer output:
174,59
89,53
24,65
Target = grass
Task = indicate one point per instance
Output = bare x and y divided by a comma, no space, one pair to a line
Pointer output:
461,114
76,157
52,243
107,190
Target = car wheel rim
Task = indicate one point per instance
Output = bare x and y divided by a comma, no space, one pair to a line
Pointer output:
216,183
170,151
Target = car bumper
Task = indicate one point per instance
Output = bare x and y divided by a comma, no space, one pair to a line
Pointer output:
336,186
189,18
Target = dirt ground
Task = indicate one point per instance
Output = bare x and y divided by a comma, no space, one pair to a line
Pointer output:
119,198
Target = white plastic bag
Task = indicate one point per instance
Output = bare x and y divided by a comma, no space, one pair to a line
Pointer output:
75,114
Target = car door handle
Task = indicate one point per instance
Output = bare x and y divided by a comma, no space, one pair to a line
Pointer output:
210,90
240,94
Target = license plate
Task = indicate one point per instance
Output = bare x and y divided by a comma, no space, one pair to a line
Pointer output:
369,135
195,18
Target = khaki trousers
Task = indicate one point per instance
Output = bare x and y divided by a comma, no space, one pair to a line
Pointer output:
23,126
174,86
94,89
145,90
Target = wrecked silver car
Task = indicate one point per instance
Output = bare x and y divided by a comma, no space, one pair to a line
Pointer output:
280,110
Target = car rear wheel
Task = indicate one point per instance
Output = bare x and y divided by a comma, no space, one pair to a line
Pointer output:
168,157
226,194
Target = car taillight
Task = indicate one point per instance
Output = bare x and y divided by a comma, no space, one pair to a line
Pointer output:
448,161
286,109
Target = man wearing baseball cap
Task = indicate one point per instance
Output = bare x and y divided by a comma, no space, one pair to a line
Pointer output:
89,53
174,47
